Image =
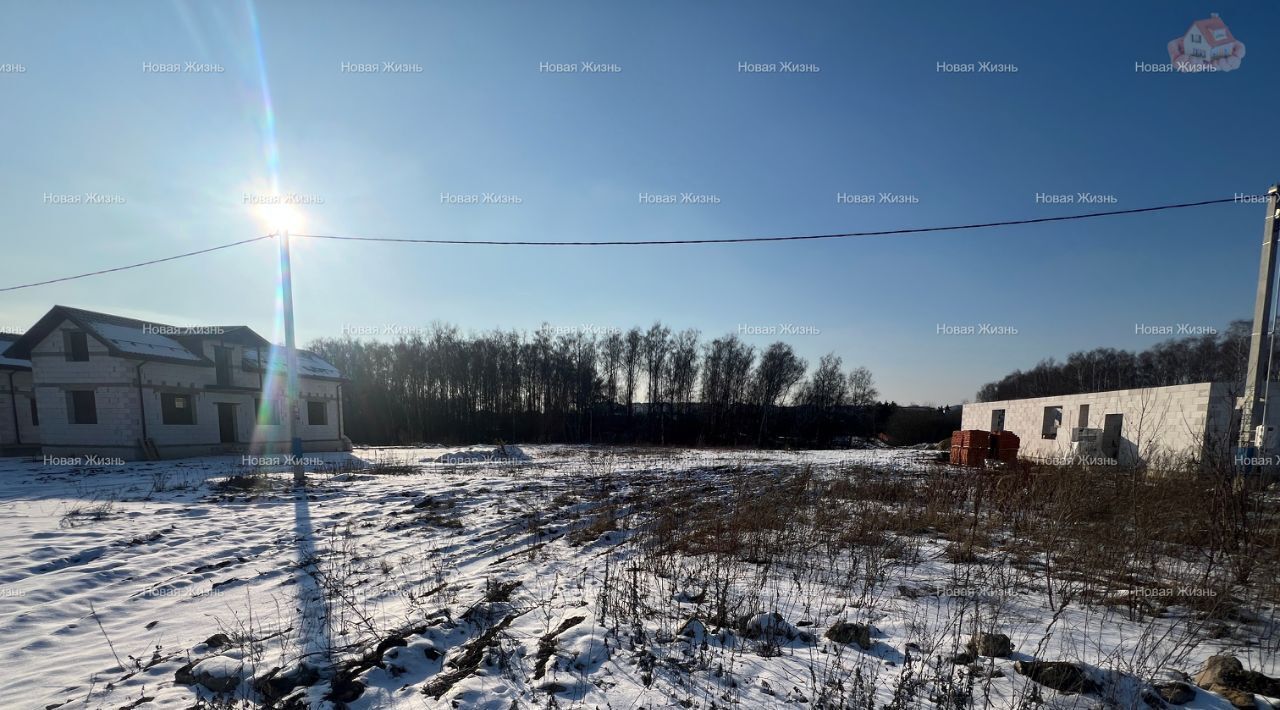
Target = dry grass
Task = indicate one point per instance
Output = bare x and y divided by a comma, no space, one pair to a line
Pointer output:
723,546
1208,542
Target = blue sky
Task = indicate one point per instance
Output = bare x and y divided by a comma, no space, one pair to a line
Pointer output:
179,150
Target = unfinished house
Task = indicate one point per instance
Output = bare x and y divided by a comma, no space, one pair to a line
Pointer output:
110,386
1168,424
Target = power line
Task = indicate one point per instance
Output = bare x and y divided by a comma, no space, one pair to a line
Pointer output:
741,240
134,266
656,242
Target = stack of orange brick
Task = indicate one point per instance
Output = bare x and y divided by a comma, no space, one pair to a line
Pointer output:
969,447
1004,446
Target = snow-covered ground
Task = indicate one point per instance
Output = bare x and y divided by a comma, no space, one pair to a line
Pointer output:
497,578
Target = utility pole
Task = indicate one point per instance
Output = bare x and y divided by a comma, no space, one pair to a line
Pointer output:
1259,375
291,360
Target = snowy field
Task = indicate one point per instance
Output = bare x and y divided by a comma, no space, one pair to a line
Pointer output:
547,576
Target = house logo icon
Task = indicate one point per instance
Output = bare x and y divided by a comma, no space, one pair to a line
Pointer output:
1206,46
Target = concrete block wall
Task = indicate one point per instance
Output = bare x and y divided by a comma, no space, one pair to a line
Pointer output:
204,437
116,433
1158,422
240,377
314,436
319,391
111,378
160,378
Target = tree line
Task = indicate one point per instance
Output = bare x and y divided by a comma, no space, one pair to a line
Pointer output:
650,385
1210,357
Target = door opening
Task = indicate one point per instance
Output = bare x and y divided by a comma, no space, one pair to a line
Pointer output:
1112,427
227,423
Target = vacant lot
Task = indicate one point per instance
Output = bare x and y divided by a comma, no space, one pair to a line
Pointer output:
594,577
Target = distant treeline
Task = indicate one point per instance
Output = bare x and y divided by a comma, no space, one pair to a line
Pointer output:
1217,357
639,386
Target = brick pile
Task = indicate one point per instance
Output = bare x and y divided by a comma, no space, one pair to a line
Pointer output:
969,447
1004,446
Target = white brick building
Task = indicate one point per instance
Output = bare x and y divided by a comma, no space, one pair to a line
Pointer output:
103,385
1122,426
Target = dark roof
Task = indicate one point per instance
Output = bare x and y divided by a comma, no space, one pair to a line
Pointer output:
309,364
239,334
11,363
123,337
148,340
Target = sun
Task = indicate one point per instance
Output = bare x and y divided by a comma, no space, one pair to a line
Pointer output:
279,216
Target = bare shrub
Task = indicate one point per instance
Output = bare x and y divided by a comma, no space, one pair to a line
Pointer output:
87,513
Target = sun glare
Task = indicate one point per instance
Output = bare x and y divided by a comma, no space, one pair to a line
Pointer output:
279,216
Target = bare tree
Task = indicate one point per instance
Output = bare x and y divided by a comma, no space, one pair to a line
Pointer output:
610,362
442,385
684,369
827,388
862,389
725,374
631,352
824,393
779,370
657,345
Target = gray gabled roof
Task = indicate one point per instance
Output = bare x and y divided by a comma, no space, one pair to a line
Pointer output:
148,340
11,363
309,364
123,337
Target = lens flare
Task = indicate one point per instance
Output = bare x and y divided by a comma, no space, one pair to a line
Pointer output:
278,216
